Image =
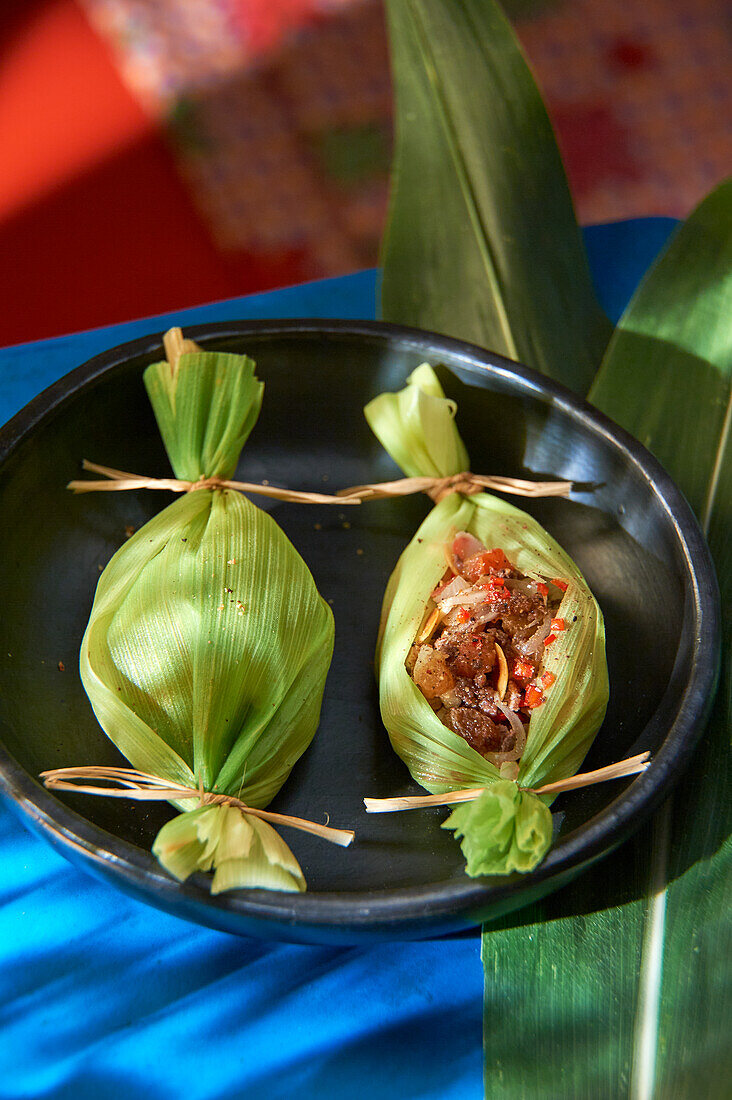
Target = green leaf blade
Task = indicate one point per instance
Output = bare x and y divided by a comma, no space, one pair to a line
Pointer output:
625,977
416,426
667,371
482,241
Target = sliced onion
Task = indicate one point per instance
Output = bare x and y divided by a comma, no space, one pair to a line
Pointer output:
499,758
514,721
533,645
519,731
457,584
467,597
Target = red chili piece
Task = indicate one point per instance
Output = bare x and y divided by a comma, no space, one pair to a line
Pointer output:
557,625
522,670
497,559
488,561
533,697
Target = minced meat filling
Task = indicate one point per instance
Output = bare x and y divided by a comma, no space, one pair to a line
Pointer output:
477,656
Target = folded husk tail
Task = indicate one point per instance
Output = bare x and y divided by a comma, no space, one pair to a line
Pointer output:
241,850
206,404
417,428
504,830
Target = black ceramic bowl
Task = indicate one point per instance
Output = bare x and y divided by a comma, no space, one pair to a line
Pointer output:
627,526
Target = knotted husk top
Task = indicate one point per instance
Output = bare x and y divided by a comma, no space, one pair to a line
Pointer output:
208,644
508,828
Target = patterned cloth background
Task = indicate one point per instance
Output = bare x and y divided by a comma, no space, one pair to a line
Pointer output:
279,111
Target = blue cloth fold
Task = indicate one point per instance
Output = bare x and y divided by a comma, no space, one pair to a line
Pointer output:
102,996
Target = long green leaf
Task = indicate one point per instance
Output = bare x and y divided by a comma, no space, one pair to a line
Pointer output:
666,374
482,241
623,981
676,341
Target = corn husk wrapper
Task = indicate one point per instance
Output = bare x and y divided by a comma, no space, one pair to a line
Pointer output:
208,645
507,828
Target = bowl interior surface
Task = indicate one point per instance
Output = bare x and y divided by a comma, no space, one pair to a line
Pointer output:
312,435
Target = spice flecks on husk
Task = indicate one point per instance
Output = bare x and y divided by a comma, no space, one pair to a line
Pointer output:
416,426
208,645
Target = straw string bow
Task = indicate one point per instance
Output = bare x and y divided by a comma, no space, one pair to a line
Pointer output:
465,482
633,765
143,787
436,488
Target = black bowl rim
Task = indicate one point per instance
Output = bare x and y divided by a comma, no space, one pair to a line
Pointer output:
455,904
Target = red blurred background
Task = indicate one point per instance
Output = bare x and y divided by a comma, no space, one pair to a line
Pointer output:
162,153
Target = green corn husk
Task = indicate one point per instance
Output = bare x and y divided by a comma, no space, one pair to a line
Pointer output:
208,645
505,829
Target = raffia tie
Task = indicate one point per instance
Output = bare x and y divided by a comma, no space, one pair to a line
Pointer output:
143,787
633,765
465,482
435,487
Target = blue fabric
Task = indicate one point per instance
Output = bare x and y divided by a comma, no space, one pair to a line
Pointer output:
101,996
619,255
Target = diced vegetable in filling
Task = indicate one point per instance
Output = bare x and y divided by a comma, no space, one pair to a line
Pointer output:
478,656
